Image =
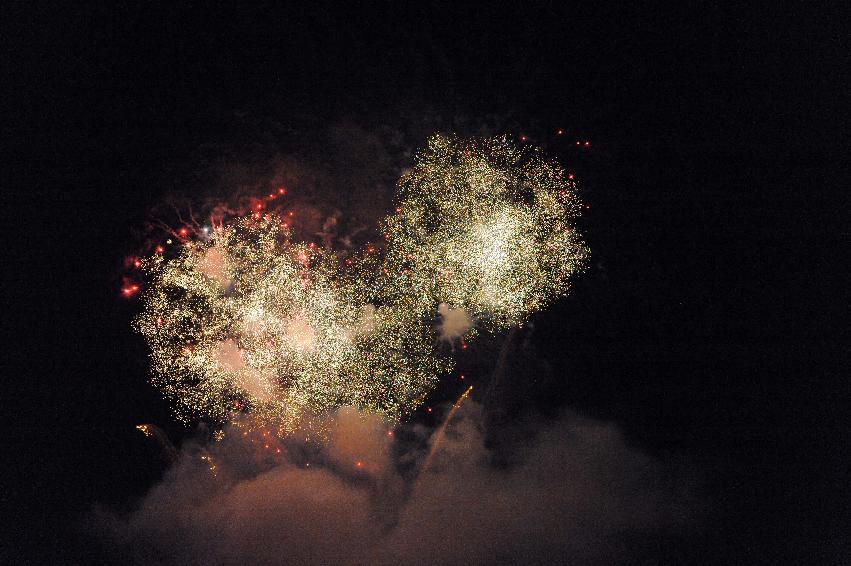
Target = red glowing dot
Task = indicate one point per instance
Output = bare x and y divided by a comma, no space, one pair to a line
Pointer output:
462,376
359,464
429,409
278,450
160,249
559,132
587,143
265,446
271,195
389,433
137,263
398,209
523,138
259,206
291,213
282,190
570,176
183,231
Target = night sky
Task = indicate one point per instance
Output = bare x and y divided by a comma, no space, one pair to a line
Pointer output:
711,325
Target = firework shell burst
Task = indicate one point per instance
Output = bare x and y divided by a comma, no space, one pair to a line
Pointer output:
249,320
485,225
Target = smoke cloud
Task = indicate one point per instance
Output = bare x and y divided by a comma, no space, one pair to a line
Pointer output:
454,323
571,491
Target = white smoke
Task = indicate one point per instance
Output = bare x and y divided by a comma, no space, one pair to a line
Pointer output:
454,323
574,492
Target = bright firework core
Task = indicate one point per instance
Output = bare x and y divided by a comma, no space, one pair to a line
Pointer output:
249,320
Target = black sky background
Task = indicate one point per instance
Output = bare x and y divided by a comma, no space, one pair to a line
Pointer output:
712,327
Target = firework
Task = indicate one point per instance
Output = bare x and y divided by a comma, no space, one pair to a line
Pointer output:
248,320
485,226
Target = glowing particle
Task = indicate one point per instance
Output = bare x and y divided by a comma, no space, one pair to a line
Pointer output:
130,290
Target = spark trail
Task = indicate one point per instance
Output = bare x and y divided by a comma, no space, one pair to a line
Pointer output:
441,432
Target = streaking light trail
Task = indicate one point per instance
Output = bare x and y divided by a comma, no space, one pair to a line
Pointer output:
441,432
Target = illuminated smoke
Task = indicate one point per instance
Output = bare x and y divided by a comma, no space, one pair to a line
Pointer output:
454,323
574,491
